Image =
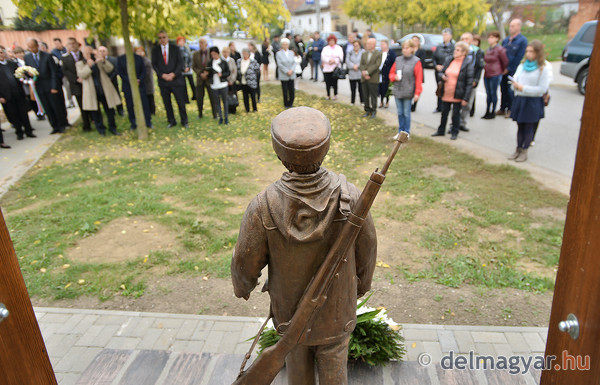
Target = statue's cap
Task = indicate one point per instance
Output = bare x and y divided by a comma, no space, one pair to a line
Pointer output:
301,136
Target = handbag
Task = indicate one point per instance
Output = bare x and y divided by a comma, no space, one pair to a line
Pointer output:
438,91
339,73
546,98
232,99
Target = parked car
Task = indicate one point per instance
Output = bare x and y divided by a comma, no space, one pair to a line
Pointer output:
428,45
380,37
576,55
240,35
341,39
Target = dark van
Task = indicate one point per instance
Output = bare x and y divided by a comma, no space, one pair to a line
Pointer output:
576,55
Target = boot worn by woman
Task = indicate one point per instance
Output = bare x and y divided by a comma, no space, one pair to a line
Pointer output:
516,154
522,156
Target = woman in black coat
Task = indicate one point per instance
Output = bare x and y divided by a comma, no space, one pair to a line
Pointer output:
418,39
386,66
457,85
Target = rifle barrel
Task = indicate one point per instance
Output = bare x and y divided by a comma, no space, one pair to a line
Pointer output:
402,138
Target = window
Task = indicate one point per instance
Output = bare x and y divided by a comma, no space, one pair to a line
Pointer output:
309,21
588,35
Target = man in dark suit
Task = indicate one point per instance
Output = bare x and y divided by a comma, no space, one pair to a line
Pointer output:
70,72
140,73
48,86
168,64
12,97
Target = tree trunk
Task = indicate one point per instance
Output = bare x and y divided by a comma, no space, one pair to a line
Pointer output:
133,84
497,15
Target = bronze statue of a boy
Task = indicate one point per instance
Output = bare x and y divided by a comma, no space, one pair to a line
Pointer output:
290,226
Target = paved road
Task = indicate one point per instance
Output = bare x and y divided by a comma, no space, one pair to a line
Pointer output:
15,162
556,141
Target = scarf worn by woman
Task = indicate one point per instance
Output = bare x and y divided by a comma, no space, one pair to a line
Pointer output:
530,65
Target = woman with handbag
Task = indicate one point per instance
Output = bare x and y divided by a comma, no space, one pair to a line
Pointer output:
354,74
530,82
232,99
298,70
266,50
248,75
455,89
545,99
332,57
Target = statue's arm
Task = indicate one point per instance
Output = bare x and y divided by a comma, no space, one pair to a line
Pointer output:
250,253
365,251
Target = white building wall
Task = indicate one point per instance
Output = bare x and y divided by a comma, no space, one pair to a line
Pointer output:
307,23
8,11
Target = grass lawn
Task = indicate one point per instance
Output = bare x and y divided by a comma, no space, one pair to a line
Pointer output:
108,217
553,43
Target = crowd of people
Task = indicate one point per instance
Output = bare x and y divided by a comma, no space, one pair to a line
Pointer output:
376,73
34,79
373,70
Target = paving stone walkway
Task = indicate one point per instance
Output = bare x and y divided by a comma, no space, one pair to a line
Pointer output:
132,348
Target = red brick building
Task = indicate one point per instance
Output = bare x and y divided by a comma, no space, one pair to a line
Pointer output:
588,10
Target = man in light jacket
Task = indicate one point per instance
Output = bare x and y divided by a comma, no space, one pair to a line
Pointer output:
286,67
98,89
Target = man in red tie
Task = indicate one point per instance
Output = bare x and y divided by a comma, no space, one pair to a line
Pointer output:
168,64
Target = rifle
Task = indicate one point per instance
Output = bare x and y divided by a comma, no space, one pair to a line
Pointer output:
264,369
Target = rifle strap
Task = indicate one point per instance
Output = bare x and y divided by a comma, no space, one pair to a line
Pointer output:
249,354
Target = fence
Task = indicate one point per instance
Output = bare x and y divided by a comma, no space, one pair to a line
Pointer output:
8,38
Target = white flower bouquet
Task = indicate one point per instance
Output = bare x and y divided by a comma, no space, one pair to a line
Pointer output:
26,72
376,339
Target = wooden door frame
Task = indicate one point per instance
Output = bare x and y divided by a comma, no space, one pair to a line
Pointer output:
23,355
577,288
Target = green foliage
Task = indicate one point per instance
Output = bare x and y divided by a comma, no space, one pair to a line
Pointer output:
269,337
33,22
461,15
147,17
373,340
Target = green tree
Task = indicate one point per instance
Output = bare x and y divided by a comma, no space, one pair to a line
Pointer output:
460,15
368,11
145,18
497,10
27,23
